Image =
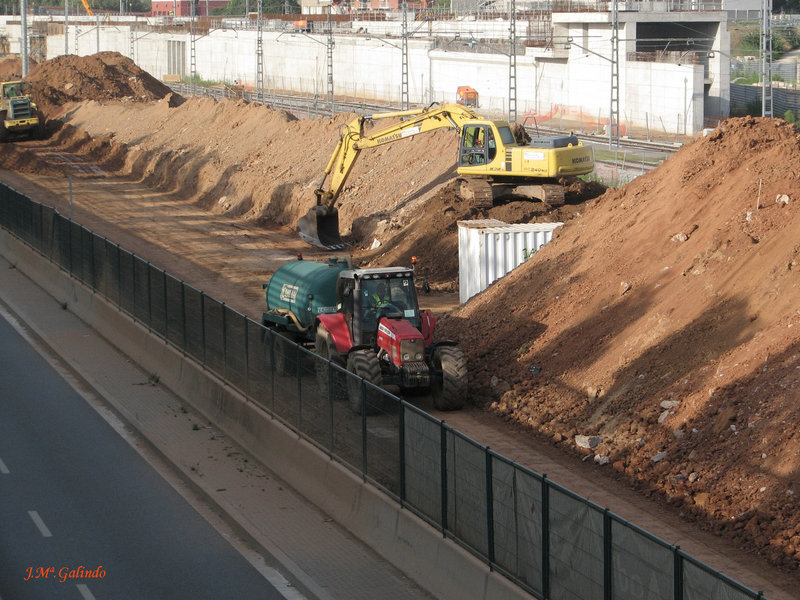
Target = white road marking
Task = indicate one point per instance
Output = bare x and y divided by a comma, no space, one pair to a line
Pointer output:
37,520
84,590
3,471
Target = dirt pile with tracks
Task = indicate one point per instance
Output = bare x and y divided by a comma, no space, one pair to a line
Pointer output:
661,324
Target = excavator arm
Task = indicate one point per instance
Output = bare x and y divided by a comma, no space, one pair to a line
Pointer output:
353,140
89,11
320,226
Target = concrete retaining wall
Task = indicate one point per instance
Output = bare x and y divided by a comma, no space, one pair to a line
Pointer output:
437,564
369,67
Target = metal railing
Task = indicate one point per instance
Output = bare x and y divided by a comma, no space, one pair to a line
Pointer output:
550,541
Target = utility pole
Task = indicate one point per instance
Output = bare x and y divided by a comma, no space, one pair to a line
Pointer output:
613,118
66,27
766,58
512,62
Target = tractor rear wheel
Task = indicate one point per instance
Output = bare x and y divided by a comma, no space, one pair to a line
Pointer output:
323,347
449,370
364,364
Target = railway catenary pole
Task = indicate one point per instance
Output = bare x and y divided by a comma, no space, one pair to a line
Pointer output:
193,51
613,116
260,55
330,58
512,62
66,27
766,58
23,13
404,79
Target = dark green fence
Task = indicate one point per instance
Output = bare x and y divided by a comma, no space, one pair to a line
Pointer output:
550,541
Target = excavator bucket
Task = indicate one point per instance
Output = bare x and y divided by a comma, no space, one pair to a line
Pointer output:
320,227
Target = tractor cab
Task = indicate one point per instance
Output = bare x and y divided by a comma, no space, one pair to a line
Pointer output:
369,295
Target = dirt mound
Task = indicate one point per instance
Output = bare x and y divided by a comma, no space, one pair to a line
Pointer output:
11,68
665,320
106,76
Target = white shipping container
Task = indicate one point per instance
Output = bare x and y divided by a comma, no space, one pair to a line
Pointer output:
489,249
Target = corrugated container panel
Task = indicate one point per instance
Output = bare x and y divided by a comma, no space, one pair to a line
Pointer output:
489,249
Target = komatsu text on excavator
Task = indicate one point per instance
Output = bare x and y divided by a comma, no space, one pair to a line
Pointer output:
491,163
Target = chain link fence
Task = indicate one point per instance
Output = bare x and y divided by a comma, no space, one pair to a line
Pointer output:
547,539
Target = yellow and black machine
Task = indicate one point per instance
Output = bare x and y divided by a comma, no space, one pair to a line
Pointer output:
18,113
491,163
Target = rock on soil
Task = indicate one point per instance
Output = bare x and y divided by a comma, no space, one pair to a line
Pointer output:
706,248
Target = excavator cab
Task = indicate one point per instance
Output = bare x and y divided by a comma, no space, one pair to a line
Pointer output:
478,145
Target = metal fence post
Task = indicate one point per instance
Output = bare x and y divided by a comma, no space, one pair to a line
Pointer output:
331,395
246,357
94,265
608,570
133,279
69,241
149,297
363,429
545,537
298,358
166,302
183,315
203,325
489,509
443,458
402,450
225,370
677,576
271,335
119,277
41,227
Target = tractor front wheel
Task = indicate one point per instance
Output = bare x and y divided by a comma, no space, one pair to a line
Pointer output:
364,364
449,371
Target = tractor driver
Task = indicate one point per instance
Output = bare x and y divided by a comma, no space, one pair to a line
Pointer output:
380,297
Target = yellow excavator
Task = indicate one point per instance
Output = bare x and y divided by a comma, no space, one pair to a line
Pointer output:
491,163
87,8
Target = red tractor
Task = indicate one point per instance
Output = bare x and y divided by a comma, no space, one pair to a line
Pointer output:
367,321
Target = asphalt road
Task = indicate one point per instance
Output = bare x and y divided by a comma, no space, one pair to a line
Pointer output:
82,515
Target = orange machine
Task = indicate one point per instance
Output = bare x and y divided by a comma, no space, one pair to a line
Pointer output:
467,96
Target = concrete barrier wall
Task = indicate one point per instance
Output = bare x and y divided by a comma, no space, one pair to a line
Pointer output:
417,549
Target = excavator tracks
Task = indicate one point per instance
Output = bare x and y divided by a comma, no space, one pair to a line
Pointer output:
477,191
